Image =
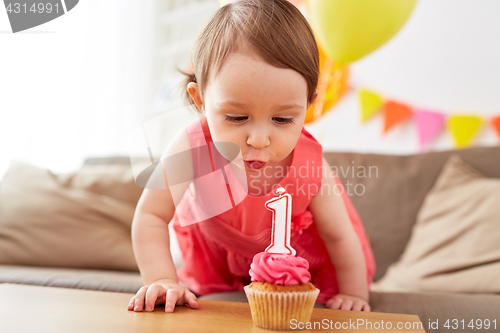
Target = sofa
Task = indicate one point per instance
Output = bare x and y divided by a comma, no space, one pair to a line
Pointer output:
39,216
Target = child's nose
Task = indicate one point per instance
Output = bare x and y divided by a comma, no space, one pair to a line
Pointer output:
258,138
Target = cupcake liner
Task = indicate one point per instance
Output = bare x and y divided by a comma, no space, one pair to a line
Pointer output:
274,310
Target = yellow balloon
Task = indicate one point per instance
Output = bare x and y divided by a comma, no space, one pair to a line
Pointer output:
348,30
297,3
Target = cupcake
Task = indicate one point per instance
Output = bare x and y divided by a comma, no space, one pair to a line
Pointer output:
280,291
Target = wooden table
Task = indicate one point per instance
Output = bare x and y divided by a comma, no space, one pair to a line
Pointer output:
25,308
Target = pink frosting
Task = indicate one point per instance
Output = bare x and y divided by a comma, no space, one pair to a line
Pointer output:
279,269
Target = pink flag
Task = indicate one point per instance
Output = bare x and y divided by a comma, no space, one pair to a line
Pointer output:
429,124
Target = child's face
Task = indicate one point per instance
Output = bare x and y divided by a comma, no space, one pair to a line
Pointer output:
257,106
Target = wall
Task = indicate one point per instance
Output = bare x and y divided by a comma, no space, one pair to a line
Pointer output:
74,87
77,86
446,58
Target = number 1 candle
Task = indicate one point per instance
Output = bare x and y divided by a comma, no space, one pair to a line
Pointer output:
281,207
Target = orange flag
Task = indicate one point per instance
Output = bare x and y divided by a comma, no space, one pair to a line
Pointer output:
394,113
495,122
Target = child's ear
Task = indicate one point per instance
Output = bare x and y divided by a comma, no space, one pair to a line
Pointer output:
193,90
313,99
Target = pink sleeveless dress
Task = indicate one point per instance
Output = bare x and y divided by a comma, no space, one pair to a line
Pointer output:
218,251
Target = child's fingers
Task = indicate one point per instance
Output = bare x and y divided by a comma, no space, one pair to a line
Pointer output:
139,299
171,300
328,303
334,303
130,306
346,305
367,308
152,294
191,299
357,306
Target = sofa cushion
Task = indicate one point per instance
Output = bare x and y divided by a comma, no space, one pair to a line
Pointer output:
115,181
92,279
391,190
454,243
77,220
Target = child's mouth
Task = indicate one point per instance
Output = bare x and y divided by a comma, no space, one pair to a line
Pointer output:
256,165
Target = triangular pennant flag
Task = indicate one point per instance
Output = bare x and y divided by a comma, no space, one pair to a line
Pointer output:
463,129
429,124
495,122
394,113
370,104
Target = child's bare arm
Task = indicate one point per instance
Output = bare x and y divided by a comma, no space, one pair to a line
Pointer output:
150,236
336,231
151,243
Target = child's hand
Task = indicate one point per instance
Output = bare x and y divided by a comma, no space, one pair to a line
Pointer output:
166,292
347,302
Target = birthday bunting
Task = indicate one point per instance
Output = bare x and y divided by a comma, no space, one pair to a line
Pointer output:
370,104
462,128
394,113
429,124
495,122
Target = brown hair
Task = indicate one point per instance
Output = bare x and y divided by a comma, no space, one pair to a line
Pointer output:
274,29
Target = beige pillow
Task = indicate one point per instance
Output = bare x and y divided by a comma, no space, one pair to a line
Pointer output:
79,220
455,243
113,180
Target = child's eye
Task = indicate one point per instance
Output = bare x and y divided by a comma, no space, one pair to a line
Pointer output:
236,119
281,120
